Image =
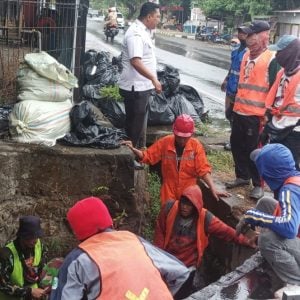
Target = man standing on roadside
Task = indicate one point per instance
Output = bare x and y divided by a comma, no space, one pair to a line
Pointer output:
257,74
139,78
230,83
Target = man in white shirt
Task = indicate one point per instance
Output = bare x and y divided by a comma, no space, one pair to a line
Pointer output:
139,78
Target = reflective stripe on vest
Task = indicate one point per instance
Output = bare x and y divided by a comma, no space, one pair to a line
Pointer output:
289,106
17,277
252,92
233,72
291,180
202,239
126,271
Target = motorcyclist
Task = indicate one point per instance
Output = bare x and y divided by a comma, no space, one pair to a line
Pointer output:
111,19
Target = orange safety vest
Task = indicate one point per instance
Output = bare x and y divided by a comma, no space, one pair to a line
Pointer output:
294,180
127,272
252,92
202,239
289,106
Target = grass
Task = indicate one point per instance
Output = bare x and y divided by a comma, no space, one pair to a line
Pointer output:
220,160
154,191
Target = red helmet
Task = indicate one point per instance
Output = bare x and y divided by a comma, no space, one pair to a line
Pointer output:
88,217
184,126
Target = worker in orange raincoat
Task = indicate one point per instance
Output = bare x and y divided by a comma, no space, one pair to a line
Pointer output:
182,158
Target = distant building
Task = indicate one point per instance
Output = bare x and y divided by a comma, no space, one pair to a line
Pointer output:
199,19
288,22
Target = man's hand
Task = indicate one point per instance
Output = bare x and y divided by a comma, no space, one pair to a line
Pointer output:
127,143
252,241
223,86
218,194
157,86
37,293
242,226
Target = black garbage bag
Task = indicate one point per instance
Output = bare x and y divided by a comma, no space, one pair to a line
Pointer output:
117,61
180,105
87,131
92,91
109,76
113,110
96,64
168,76
89,56
4,119
193,97
160,112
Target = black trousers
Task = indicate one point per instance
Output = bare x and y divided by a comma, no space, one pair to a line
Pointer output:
136,108
244,139
292,141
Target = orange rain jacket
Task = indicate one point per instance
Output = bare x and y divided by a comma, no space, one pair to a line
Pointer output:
193,164
189,247
252,92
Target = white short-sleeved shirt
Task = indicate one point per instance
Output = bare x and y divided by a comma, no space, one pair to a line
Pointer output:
137,43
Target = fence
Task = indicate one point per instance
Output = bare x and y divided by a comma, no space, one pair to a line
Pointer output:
28,26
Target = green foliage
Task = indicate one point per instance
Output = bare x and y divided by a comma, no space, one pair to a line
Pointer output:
202,129
111,92
100,190
154,191
220,160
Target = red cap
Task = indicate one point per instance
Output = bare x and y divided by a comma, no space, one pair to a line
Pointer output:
184,126
88,217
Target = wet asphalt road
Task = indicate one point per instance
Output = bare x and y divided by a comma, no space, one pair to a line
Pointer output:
200,64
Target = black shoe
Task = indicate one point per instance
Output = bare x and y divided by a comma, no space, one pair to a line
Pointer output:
137,165
237,182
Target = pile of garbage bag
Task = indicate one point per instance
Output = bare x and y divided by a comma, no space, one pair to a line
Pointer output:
174,100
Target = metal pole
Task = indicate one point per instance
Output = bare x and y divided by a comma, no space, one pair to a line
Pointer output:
74,36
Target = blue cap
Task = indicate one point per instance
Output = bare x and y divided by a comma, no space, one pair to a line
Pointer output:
282,43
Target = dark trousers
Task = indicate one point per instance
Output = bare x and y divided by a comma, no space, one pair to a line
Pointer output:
244,139
136,108
292,141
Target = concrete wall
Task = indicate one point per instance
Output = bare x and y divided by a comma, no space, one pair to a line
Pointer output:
47,181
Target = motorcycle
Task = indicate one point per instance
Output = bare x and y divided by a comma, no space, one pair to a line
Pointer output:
111,32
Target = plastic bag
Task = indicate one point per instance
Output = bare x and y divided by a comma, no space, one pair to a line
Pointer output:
182,106
169,79
160,112
193,97
87,131
113,110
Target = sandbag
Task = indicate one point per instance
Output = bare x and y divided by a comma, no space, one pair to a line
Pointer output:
32,86
39,122
48,67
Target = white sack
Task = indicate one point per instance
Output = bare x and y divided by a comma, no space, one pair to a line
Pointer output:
39,122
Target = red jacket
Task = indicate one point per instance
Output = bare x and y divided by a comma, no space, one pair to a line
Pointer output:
193,164
189,245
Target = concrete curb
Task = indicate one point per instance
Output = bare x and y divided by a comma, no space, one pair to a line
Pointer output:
176,34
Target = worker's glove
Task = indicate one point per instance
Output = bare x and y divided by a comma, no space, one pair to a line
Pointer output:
242,226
